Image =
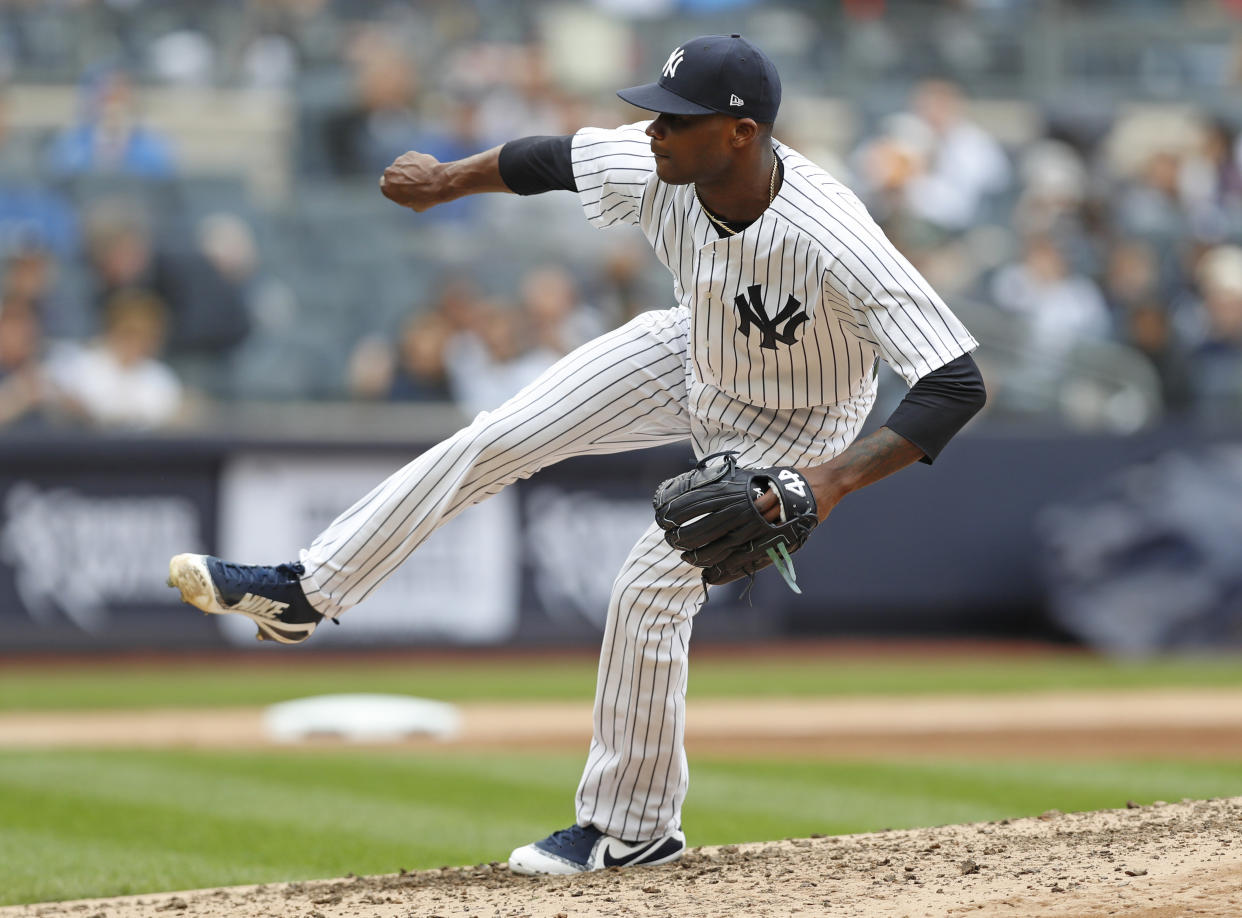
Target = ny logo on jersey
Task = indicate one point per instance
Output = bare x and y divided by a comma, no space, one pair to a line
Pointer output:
674,60
769,333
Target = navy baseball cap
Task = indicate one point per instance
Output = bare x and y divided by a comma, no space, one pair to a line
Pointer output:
713,73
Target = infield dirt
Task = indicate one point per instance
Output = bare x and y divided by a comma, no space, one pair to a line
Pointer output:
1195,722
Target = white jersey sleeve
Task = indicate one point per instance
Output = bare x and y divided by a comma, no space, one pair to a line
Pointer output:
613,169
909,323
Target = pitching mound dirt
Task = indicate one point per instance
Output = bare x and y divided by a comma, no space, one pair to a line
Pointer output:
1162,861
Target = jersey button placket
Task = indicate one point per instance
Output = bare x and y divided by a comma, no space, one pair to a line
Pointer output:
711,295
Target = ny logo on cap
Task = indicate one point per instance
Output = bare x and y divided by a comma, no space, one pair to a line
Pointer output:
674,59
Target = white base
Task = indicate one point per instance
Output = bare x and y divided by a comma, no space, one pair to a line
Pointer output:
361,718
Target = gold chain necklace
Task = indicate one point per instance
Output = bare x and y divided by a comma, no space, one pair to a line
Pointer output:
720,223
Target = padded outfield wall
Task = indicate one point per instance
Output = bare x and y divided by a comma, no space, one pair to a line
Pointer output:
87,526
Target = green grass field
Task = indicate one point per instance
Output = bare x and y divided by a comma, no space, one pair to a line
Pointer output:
198,683
77,823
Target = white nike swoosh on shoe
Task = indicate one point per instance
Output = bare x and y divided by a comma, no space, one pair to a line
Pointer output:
261,606
616,853
626,857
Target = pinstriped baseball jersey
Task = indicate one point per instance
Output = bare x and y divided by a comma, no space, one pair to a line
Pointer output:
795,310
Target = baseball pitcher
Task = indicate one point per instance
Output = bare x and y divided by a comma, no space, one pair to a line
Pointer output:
787,294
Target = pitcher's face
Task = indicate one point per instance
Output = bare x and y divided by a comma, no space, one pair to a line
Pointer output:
691,148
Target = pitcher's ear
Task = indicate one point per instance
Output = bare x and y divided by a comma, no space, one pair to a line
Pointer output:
745,131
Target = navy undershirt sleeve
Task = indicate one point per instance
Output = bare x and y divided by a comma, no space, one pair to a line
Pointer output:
939,405
533,165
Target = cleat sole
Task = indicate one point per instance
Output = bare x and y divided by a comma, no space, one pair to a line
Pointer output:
187,575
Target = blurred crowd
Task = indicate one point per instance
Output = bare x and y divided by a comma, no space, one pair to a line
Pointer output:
1120,233
1093,243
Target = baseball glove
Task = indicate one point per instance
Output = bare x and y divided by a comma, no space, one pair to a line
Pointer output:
709,514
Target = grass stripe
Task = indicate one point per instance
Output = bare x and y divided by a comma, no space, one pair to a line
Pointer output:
76,824
246,682
48,864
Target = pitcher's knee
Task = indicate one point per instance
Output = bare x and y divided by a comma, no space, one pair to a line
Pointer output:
640,610
495,439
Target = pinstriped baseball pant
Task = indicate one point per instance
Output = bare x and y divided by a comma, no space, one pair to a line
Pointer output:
628,389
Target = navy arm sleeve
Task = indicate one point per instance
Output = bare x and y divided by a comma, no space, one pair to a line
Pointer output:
533,165
939,405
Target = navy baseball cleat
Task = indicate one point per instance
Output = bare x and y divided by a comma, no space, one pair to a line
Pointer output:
582,848
271,597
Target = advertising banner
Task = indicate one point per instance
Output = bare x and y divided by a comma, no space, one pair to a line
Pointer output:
84,548
461,586
87,526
